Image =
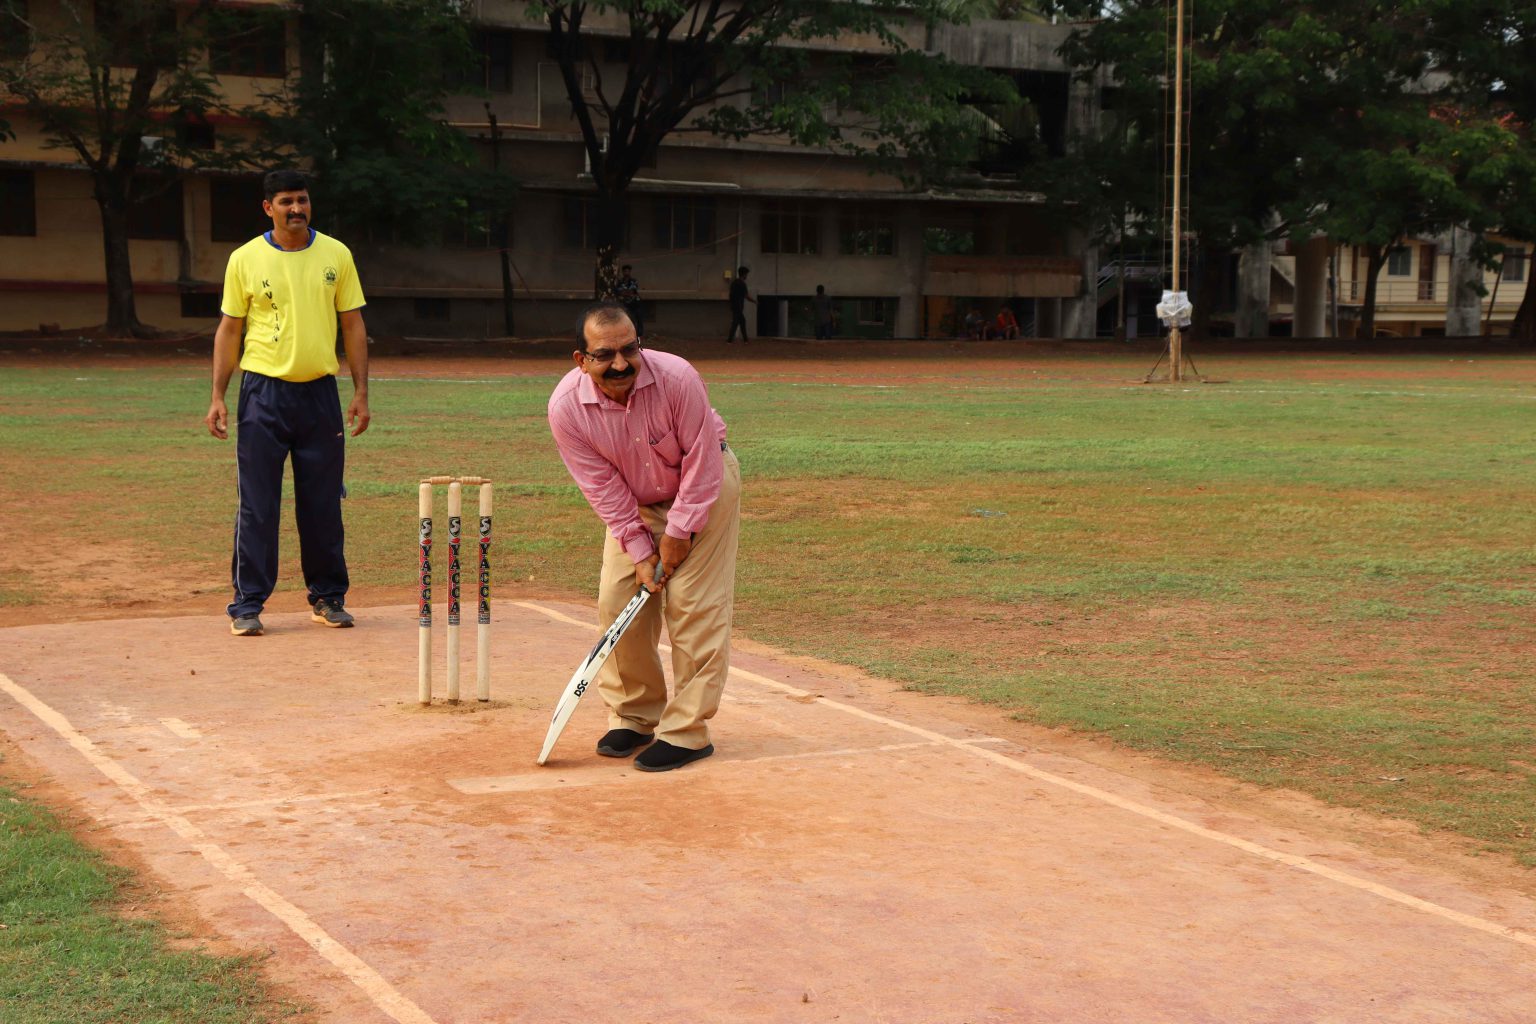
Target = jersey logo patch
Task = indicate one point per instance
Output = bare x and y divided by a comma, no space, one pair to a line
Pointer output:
330,277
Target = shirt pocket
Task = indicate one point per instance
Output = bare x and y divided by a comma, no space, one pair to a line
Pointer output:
668,450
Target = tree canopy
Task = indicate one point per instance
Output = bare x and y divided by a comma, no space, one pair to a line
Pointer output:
1303,118
365,114
125,89
665,67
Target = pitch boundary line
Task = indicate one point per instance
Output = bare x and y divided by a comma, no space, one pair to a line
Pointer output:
539,781
379,991
1291,860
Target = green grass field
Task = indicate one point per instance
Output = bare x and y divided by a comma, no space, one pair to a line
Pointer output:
1319,574
69,953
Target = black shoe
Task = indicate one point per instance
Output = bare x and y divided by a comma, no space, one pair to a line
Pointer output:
622,742
663,757
330,614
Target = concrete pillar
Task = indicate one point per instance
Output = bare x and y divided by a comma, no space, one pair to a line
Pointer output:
1253,276
1048,318
1083,111
1080,315
909,250
1464,306
1311,320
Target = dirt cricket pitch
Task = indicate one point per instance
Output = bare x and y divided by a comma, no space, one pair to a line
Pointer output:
852,853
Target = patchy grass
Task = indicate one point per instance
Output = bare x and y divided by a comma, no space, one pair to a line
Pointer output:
68,953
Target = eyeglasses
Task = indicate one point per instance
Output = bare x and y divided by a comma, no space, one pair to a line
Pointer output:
603,356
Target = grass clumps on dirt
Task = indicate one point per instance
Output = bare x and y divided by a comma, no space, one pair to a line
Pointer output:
69,953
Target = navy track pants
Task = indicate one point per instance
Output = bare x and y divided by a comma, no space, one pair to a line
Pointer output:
277,419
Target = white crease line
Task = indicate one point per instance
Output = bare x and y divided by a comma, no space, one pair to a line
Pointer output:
181,728
1386,892
136,820
544,780
276,800
381,992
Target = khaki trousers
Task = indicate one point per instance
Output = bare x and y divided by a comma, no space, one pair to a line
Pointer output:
696,605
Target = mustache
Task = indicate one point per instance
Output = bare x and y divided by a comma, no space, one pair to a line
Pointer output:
612,374
297,216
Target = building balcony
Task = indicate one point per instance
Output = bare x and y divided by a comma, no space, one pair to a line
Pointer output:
1003,277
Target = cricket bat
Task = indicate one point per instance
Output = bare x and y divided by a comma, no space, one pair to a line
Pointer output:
586,672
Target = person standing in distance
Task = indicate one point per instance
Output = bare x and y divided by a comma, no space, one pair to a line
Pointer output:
639,437
739,300
285,291
822,303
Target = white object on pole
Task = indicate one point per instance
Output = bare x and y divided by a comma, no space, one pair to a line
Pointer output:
1174,310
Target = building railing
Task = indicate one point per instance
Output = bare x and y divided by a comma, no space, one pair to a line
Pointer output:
1430,293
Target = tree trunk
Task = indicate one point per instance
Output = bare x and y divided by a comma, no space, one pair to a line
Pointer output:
122,314
611,211
605,275
1209,274
1523,330
506,279
1375,259
502,235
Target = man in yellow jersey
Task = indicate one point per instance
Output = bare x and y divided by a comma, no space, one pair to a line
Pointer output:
284,291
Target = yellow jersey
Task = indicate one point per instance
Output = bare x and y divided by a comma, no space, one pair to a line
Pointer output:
289,301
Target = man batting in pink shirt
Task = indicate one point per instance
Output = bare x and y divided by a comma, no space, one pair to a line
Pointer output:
637,432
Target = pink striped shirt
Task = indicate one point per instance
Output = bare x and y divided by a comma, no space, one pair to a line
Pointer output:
664,445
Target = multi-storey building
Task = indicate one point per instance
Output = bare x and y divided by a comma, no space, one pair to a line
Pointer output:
900,261
1428,287
1416,291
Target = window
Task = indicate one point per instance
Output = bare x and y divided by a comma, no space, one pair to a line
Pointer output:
947,241
496,50
684,224
789,228
1400,262
251,43
235,213
18,203
491,66
157,215
15,31
140,32
617,51
432,309
576,44
683,68
474,227
1514,265
580,225
867,230
200,305
769,94
195,133
1029,234
873,312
